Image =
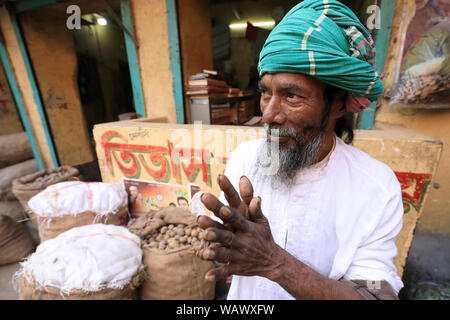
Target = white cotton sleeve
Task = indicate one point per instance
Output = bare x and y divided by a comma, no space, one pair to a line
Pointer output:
374,258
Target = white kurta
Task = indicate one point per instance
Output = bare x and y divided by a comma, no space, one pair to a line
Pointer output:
341,218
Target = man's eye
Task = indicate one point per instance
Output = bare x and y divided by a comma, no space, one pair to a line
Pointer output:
264,94
292,96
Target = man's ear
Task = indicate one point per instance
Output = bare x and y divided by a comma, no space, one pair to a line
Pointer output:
339,103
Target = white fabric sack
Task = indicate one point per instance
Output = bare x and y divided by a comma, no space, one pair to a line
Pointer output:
73,197
88,258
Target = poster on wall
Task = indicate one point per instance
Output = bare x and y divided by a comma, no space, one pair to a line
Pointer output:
424,80
150,196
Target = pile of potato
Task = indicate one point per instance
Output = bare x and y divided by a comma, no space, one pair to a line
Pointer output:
174,236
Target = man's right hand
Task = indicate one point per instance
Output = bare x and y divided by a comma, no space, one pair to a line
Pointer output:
238,202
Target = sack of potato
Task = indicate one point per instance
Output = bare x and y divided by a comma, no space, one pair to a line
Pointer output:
26,187
93,262
171,240
66,205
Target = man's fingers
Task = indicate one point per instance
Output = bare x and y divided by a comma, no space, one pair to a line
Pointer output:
225,237
254,210
246,190
228,190
233,218
212,203
221,273
219,254
206,222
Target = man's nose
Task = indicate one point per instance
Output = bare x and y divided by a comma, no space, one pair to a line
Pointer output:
273,112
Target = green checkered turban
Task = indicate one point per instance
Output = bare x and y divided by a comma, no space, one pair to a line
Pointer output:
325,39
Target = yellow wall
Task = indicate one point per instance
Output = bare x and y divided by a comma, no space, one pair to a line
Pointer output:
435,123
52,54
151,31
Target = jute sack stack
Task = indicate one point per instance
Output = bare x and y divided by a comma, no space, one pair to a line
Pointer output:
12,209
66,205
27,186
10,173
15,241
93,262
15,148
175,272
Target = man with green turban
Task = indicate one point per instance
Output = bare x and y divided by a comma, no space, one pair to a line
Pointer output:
314,218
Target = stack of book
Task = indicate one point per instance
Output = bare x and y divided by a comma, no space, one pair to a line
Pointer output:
221,113
207,84
209,98
246,107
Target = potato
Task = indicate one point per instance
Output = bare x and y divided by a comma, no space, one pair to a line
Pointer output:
174,236
171,233
153,244
174,244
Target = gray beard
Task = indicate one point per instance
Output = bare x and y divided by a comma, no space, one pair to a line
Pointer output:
292,160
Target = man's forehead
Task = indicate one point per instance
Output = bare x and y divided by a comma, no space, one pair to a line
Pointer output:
286,79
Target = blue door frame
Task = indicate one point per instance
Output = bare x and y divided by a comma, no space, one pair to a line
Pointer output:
175,59
387,11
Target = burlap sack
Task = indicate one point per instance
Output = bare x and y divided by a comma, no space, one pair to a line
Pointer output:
177,274
9,174
12,209
30,291
15,148
49,228
26,187
15,241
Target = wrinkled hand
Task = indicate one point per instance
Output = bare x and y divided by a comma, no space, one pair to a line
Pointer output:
245,245
233,198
